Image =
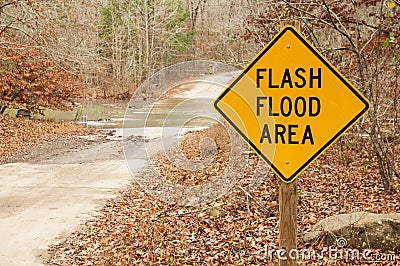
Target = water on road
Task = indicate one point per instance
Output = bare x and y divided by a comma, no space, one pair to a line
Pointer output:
43,201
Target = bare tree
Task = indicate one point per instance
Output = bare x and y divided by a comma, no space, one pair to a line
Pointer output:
359,37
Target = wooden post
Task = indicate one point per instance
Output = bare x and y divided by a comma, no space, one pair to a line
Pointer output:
288,221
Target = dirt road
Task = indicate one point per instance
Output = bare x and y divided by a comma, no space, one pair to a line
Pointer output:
57,187
46,193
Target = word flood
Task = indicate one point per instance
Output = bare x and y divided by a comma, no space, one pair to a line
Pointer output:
299,106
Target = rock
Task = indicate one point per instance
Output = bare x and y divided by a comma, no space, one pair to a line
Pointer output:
361,230
217,212
24,113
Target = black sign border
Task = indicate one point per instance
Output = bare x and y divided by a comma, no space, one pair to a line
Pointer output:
330,67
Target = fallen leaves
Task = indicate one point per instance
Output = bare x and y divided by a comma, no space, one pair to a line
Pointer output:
17,134
192,148
239,228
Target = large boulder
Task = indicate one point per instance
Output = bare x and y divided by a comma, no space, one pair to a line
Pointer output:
359,230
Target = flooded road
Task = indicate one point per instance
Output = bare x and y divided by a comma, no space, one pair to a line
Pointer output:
195,100
44,200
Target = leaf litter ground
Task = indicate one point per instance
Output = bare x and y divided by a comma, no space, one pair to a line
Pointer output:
239,228
18,134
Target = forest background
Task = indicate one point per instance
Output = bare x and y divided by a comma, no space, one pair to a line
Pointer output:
52,52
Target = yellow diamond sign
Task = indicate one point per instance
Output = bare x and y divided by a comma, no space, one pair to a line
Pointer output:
290,104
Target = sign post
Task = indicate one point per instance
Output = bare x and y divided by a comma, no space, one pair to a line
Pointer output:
287,222
290,104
